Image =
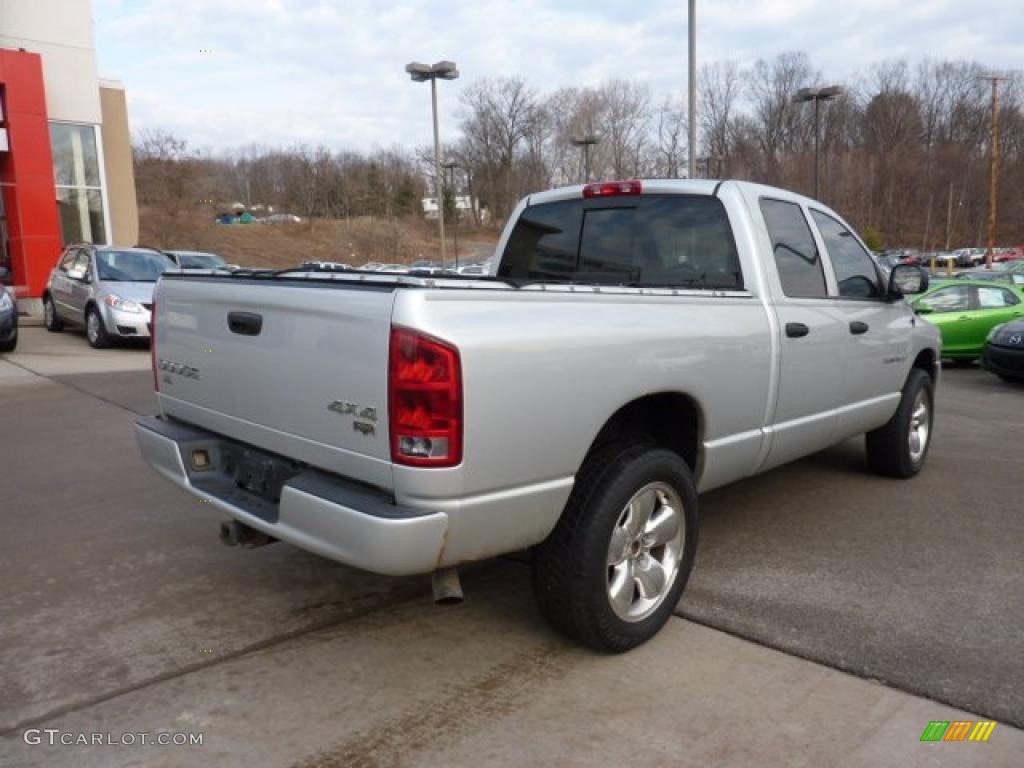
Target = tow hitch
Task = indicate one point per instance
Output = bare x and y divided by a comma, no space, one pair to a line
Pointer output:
236,534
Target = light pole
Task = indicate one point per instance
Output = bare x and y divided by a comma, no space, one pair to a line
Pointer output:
586,142
691,135
450,166
817,95
445,70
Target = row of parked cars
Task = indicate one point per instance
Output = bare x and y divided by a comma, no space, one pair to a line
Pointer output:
108,290
979,318
420,268
961,257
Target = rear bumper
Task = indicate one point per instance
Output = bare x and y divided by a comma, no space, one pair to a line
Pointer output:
1005,361
319,512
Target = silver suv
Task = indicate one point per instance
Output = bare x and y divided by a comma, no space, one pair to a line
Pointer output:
106,289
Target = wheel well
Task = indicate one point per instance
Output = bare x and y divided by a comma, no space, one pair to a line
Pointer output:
672,420
925,360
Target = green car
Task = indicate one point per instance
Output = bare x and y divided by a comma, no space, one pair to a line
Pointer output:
965,311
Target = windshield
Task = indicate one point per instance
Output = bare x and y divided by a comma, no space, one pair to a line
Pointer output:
200,261
131,266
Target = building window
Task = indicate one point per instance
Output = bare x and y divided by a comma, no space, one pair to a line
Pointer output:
76,168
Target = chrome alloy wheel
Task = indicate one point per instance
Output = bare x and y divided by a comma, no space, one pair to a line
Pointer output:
920,427
645,551
92,327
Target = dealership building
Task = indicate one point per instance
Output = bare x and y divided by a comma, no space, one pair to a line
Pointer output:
65,151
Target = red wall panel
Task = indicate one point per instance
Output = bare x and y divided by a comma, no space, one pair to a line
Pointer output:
34,238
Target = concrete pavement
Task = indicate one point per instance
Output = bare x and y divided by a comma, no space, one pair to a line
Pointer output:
122,613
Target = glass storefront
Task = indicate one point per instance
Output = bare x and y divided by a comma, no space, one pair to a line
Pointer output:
76,168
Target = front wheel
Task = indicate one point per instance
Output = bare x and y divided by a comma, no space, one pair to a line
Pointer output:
95,332
899,448
616,564
11,344
50,316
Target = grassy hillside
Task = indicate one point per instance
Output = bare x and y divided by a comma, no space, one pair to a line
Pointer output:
352,241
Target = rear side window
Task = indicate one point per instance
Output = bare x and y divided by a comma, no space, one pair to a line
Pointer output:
796,254
855,271
995,298
649,240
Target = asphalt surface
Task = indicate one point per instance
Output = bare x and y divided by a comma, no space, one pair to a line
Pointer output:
918,583
120,612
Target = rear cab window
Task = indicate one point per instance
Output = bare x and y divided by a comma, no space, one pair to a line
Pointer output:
645,240
794,250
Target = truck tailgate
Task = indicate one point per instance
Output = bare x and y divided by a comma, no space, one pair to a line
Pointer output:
297,367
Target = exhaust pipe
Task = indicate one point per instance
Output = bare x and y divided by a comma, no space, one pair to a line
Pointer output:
447,587
236,534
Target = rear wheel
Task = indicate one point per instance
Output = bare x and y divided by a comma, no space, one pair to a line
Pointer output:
95,332
612,571
50,316
900,447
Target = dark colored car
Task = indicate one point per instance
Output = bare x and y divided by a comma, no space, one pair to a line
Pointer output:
8,315
1004,351
197,260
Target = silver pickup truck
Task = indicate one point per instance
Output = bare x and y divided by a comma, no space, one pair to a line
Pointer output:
638,343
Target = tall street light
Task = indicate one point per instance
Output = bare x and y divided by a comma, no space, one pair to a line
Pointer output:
444,70
451,166
586,142
817,95
691,132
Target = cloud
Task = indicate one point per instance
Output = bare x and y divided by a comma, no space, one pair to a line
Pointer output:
288,71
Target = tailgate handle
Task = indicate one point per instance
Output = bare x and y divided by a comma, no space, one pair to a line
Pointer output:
245,323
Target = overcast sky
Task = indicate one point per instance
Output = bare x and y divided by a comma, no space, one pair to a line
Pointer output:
281,72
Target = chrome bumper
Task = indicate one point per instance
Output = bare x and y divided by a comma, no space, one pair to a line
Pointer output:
322,513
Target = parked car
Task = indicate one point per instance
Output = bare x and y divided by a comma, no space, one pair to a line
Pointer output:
970,257
473,269
197,260
1008,254
1004,351
399,268
106,289
8,314
996,275
965,311
642,341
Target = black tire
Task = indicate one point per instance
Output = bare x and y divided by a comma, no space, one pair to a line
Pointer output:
570,570
1018,380
53,322
10,345
99,339
889,447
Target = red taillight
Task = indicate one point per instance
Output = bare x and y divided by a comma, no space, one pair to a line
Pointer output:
424,400
613,188
152,346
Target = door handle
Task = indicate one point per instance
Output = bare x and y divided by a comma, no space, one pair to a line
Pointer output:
245,323
857,327
963,317
796,330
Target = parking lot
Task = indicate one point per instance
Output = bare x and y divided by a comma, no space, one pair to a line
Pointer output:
831,615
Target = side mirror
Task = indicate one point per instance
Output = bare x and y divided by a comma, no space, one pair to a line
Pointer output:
922,309
907,279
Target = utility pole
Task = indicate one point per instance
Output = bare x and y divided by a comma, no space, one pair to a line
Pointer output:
993,177
691,137
949,214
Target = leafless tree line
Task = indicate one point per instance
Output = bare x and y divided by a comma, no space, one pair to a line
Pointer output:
905,149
